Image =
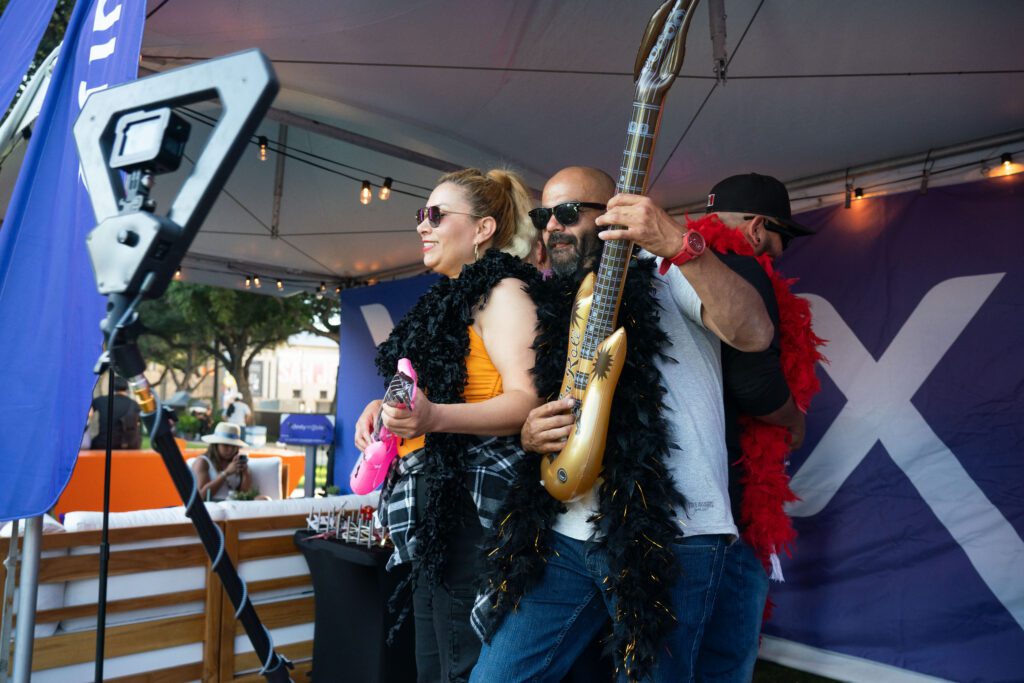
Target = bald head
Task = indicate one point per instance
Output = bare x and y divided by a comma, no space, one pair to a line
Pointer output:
584,183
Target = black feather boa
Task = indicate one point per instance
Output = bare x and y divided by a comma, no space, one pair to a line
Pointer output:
434,335
637,498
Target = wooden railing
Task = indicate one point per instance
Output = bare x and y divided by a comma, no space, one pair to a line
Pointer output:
215,627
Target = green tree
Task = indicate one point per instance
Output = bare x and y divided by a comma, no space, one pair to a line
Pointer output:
324,316
174,343
231,325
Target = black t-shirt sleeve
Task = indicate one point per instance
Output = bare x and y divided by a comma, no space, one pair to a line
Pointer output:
754,381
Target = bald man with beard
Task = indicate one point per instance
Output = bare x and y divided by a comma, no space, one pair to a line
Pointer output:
700,303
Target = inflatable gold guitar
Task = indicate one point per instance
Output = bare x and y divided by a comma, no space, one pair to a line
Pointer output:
596,354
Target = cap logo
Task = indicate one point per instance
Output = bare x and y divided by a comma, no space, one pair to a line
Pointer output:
711,199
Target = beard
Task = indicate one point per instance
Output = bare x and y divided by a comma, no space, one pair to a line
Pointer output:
580,255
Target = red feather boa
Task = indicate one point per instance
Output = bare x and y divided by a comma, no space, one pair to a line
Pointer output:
763,521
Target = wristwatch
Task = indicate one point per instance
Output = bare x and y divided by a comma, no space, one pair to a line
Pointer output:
693,246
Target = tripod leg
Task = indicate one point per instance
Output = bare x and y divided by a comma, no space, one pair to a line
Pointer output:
126,357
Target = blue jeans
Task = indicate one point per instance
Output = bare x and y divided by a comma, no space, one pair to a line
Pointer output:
558,618
731,636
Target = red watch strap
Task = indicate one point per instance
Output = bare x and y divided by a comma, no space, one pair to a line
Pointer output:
687,253
666,263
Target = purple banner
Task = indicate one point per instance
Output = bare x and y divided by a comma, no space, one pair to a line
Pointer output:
912,473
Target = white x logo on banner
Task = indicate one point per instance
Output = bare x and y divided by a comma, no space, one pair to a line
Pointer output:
378,320
878,408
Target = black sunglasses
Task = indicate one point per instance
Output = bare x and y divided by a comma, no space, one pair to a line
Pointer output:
434,214
566,214
778,229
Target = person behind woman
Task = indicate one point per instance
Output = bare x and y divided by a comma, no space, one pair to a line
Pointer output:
222,470
470,340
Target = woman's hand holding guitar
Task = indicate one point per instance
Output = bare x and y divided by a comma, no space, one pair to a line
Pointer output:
407,423
364,425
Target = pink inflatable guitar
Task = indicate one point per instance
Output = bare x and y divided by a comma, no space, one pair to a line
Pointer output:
372,467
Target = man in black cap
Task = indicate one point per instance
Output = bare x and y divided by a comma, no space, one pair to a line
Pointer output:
758,205
756,388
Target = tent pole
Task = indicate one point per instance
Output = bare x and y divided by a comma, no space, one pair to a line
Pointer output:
25,633
13,123
7,607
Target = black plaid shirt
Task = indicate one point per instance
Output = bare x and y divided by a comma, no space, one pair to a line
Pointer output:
489,473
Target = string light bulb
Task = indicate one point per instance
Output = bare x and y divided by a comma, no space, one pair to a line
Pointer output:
280,285
385,190
366,193
248,282
322,288
1007,160
859,193
177,274
337,290
263,147
256,281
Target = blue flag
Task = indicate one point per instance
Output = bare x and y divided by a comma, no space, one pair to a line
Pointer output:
49,308
21,28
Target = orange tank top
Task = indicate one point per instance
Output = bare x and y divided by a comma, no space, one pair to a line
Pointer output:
483,381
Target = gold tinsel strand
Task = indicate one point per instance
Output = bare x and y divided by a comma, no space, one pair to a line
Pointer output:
651,541
642,496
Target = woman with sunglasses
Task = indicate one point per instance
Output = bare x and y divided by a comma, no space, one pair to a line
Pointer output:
470,340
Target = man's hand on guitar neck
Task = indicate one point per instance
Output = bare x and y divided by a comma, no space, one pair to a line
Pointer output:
641,220
547,427
730,307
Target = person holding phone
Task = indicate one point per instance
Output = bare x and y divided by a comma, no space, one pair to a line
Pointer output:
222,470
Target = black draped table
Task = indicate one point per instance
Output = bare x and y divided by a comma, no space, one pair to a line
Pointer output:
351,591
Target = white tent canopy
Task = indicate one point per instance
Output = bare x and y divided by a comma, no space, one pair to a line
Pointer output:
403,89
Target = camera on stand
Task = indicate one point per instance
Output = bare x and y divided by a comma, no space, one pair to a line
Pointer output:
126,136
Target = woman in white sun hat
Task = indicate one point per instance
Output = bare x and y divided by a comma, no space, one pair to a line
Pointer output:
222,470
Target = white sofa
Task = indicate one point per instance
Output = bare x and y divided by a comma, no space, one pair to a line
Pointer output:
266,476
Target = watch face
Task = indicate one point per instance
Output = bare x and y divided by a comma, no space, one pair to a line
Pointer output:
695,241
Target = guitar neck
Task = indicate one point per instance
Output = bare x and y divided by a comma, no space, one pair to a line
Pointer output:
611,276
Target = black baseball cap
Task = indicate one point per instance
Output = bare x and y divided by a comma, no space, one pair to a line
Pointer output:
758,194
